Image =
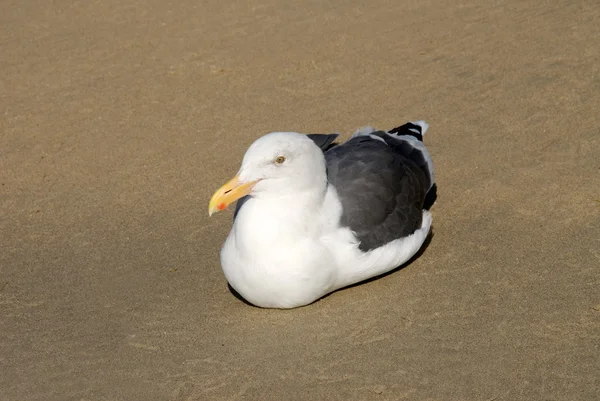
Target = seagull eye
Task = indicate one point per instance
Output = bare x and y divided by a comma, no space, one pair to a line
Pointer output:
280,160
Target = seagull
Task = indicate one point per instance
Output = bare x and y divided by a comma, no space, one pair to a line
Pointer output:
313,216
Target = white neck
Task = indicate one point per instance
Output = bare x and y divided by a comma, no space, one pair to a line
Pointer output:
265,220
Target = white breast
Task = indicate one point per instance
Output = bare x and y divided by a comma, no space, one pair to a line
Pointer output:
276,262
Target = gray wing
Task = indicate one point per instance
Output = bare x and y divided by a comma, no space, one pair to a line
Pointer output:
382,183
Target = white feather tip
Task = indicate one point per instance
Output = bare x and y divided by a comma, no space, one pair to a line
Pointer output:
364,131
421,123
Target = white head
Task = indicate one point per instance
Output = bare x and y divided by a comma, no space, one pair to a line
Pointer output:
277,164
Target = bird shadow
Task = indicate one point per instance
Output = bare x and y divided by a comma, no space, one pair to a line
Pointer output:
369,280
238,296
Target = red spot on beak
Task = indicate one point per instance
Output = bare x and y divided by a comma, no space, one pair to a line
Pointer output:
221,206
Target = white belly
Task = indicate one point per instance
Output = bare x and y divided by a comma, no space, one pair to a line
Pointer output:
277,263
287,276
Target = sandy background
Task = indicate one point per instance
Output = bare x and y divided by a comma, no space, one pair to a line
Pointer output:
119,119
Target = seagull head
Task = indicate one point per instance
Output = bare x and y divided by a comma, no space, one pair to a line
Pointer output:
278,164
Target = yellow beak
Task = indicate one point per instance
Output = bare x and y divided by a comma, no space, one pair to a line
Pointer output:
229,193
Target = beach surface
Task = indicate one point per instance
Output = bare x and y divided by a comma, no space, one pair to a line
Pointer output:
118,120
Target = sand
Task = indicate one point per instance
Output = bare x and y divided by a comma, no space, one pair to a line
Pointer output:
118,120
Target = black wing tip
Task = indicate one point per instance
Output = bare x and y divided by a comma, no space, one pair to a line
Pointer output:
416,129
430,197
324,141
